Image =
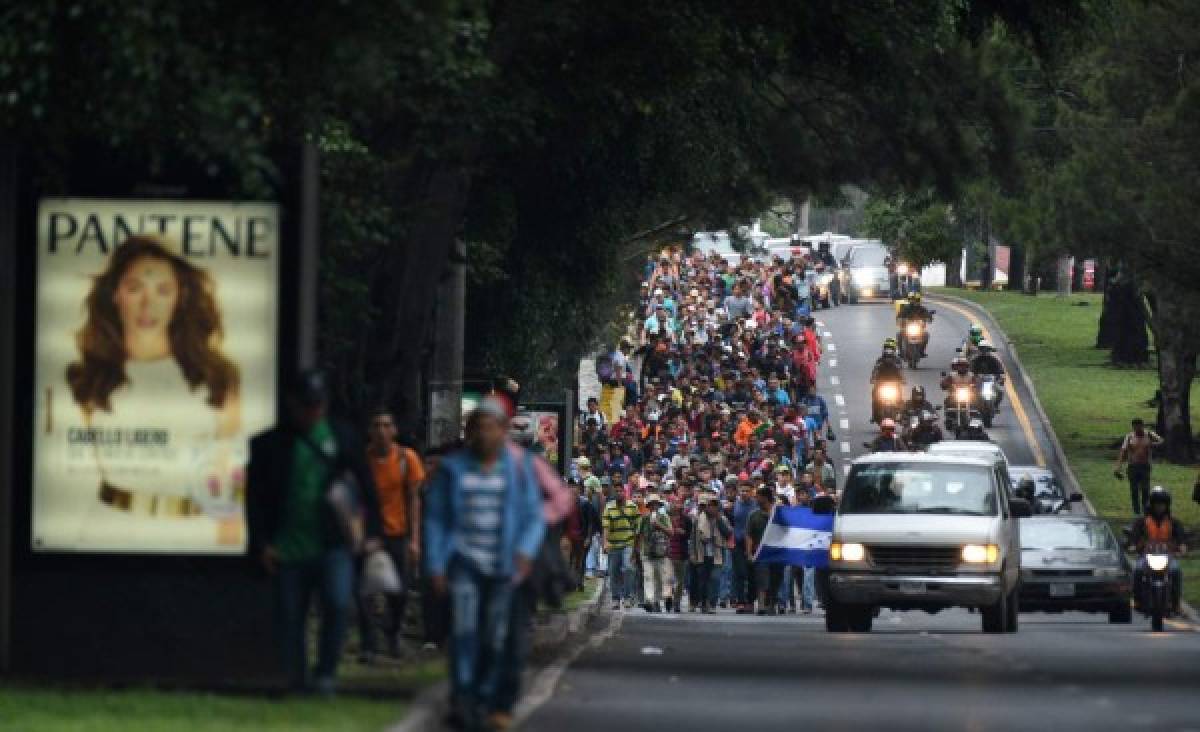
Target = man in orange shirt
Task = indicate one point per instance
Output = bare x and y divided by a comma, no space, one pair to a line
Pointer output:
398,474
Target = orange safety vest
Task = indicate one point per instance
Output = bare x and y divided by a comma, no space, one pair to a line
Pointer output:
1157,533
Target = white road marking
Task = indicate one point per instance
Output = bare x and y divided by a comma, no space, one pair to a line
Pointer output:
821,323
828,334
840,400
845,423
846,447
834,380
832,347
845,470
833,363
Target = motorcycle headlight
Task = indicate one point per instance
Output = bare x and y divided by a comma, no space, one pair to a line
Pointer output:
962,394
888,392
913,330
1158,562
988,389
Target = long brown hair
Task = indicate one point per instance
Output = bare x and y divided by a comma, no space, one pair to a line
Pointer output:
194,332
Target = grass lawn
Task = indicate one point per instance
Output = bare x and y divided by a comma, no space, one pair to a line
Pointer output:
372,698
575,600
58,710
1088,402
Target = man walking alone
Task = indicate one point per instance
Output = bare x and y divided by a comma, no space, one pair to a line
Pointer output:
1136,449
483,526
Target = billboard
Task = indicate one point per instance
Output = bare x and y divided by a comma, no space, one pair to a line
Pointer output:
155,360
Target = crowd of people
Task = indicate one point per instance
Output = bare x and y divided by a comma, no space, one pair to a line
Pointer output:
710,414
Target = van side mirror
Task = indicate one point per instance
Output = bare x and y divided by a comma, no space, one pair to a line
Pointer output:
1020,507
1076,497
933,312
958,350
943,373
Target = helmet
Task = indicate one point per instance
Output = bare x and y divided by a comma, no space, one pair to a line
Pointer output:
985,345
975,332
918,393
889,342
889,350
1025,487
1158,494
960,365
914,298
887,425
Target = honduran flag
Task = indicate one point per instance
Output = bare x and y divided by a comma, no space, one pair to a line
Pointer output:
796,537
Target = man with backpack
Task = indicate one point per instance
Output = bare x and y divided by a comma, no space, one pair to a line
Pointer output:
654,541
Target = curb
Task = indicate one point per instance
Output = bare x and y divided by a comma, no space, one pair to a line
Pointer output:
429,707
1059,454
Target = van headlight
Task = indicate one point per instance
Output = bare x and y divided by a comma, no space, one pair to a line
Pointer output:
840,552
1157,562
980,553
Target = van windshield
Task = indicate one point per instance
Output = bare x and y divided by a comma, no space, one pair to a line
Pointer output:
919,488
868,257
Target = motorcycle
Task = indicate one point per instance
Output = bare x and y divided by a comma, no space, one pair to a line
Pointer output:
961,409
1155,585
885,401
912,430
989,397
913,338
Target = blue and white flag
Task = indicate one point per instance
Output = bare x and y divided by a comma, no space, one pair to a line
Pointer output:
796,537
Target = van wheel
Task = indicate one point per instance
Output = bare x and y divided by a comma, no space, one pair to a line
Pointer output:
836,618
861,618
995,617
1014,610
1121,613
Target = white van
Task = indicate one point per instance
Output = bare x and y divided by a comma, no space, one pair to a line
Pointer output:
924,532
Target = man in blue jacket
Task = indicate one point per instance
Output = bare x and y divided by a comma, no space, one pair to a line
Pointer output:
483,526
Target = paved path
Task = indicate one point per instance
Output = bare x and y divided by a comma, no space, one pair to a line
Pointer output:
915,671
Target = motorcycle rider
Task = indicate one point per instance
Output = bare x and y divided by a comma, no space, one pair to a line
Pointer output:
1159,527
917,403
912,309
985,363
974,336
888,367
927,431
1027,489
887,440
960,375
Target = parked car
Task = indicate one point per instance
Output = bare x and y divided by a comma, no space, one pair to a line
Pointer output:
869,277
718,242
1074,563
1049,496
924,532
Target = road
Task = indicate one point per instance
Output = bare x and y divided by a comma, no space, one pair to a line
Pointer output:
915,671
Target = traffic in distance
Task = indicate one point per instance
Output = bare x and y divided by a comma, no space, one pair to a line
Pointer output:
933,517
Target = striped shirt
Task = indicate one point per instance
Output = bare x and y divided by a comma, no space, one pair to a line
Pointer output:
483,516
621,523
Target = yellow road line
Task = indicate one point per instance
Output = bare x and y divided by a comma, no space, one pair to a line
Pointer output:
1014,397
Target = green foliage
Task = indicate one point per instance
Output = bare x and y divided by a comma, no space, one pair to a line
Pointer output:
922,229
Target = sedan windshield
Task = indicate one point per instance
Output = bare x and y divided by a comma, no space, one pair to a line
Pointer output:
1048,535
925,488
868,257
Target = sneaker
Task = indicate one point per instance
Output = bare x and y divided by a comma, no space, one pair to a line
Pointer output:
498,721
366,658
761,611
616,605
791,611
429,646
744,610
709,611
724,604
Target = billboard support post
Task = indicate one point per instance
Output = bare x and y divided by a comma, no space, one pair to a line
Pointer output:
8,245
310,201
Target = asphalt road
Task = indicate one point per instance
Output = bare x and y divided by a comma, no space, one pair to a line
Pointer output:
915,671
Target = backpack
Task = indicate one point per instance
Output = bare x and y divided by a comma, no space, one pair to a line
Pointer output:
658,542
604,367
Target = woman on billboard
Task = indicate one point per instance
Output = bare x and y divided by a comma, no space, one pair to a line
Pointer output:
160,402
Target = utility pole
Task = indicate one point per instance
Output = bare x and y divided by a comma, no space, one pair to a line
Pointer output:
8,249
802,218
446,371
310,252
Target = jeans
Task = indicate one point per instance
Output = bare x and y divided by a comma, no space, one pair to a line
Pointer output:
482,610
743,575
787,598
656,578
679,577
576,560
331,577
707,583
805,580
768,577
621,573
595,556
726,588
397,549
516,651
1139,486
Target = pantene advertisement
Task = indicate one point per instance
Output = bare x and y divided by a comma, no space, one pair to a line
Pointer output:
156,360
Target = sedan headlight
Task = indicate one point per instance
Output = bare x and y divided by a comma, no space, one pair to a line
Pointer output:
913,330
1158,562
980,553
1109,572
840,552
962,394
